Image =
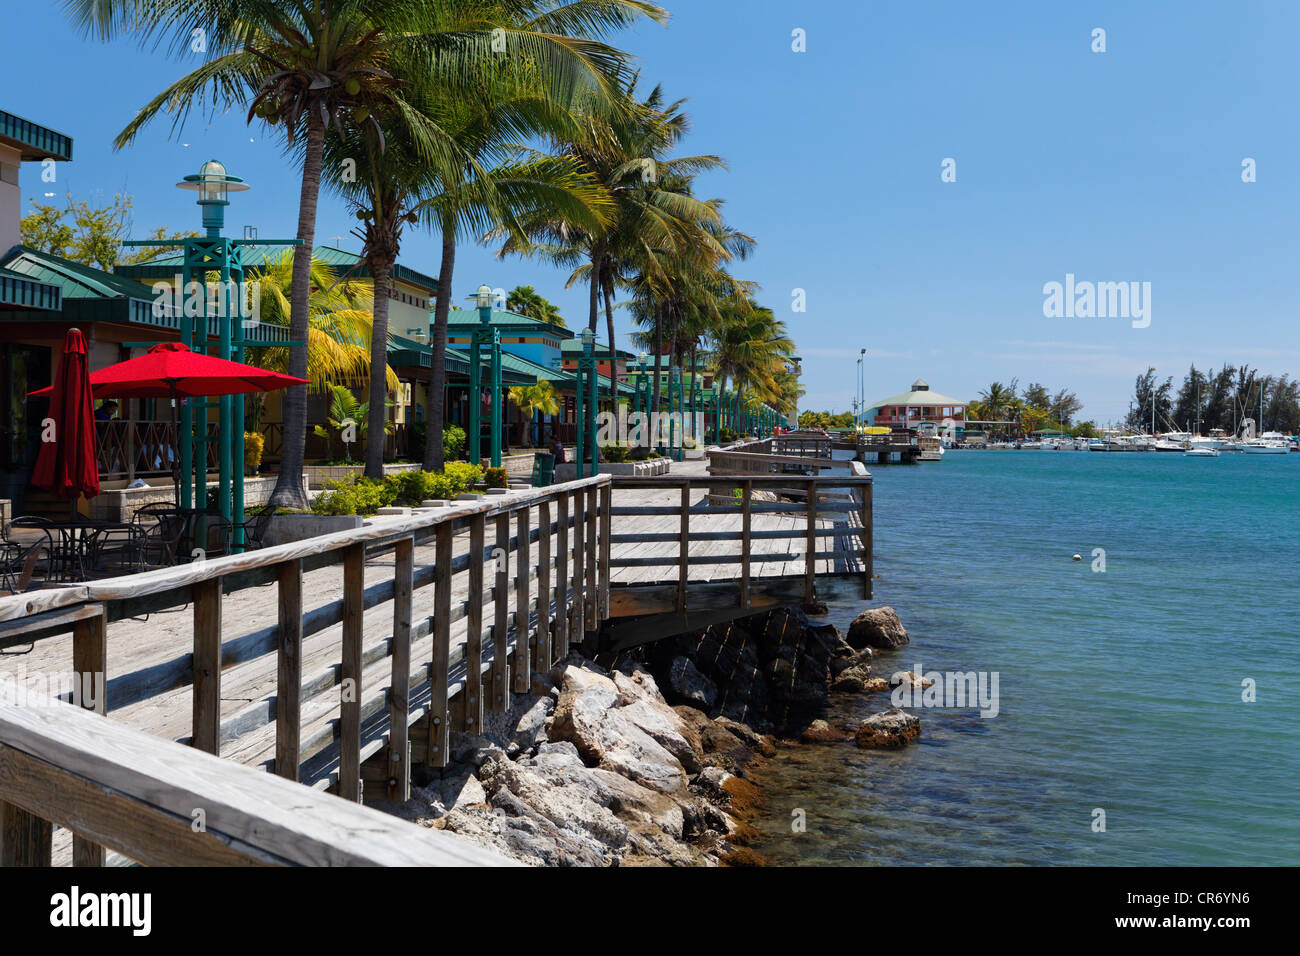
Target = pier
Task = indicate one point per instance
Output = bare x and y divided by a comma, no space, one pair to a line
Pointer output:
344,661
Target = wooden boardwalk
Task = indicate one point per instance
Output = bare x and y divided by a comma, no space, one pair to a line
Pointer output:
349,658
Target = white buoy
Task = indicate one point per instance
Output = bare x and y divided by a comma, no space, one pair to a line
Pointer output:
1078,557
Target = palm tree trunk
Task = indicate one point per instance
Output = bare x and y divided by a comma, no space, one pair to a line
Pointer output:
378,413
289,492
436,405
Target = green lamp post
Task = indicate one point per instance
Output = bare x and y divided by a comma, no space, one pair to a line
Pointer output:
485,336
586,407
214,253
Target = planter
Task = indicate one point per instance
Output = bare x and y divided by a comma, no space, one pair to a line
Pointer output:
285,528
116,502
318,475
635,469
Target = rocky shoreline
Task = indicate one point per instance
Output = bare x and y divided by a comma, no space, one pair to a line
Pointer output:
652,761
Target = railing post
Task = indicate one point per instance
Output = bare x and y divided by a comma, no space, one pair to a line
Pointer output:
683,548
868,543
354,585
471,720
25,839
288,694
592,606
439,667
523,568
747,497
577,626
544,647
90,664
561,649
399,691
207,666
606,502
500,700
810,559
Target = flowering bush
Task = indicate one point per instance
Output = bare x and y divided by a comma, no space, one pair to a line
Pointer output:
364,496
496,478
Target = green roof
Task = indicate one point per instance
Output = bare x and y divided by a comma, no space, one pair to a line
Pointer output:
599,349
33,142
88,294
18,291
463,319
164,267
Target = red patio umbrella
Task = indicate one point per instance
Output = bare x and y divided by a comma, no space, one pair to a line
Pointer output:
68,461
171,370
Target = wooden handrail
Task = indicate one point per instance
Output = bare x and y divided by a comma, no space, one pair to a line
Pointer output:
162,803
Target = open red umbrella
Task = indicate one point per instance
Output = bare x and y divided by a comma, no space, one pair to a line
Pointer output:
171,369
67,464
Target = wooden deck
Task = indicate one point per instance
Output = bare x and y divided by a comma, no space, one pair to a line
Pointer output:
349,658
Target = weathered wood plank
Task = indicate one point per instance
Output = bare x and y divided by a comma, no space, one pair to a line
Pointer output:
90,664
544,560
259,814
354,583
439,670
523,665
746,539
684,547
399,691
288,696
207,665
562,578
473,708
499,694
25,838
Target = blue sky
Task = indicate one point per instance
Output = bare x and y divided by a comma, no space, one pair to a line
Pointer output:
1117,166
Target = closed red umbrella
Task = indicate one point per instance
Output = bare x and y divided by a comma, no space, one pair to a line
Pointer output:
68,464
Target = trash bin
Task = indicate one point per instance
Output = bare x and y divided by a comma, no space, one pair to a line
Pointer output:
543,469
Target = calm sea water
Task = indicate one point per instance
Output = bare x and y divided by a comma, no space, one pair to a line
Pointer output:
1119,690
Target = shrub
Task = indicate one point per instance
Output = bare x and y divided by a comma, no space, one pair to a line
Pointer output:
496,478
462,475
727,435
253,444
354,496
453,442
614,454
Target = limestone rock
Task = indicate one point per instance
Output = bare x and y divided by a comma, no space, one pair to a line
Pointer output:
852,680
892,728
877,627
911,679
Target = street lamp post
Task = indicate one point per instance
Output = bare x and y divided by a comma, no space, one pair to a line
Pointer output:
675,413
586,405
485,336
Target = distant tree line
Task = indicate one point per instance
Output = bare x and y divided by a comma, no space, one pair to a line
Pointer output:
1217,399
825,420
1029,410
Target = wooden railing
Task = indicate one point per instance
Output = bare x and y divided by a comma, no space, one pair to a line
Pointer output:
385,702
164,804
700,541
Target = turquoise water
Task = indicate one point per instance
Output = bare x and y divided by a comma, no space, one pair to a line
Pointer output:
1119,690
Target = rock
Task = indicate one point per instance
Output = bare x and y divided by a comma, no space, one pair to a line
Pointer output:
635,683
877,627
663,726
611,737
846,657
712,781
875,685
820,732
911,678
633,802
472,748
690,685
852,680
759,743
892,728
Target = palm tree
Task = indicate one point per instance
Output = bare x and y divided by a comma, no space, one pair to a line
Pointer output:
302,67
339,327
534,399
525,300
996,401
